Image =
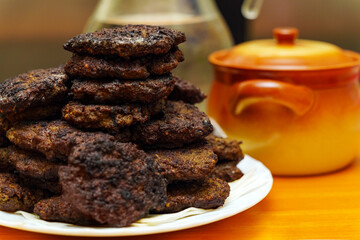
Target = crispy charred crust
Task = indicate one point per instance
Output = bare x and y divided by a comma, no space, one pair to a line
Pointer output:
208,194
33,165
227,171
186,92
14,196
35,113
59,210
4,141
54,139
124,135
32,89
52,187
226,149
180,124
4,125
126,41
159,65
5,166
33,169
107,117
102,67
115,183
44,137
116,91
195,162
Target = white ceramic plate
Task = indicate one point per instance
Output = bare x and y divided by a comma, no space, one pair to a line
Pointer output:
245,193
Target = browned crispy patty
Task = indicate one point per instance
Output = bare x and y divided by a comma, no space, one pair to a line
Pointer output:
226,149
227,171
126,41
35,113
32,164
123,135
5,166
4,141
14,196
117,92
180,124
32,89
52,187
115,183
58,210
33,169
107,117
54,139
4,125
195,162
186,92
210,193
84,66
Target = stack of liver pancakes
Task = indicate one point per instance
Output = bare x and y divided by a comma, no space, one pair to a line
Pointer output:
112,135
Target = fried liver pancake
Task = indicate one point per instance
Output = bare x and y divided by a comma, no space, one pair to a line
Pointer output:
210,193
35,113
195,162
226,149
32,89
126,41
159,65
115,183
102,67
180,124
4,125
116,91
5,166
123,135
108,117
54,139
59,210
52,187
187,92
227,171
33,169
4,141
33,165
14,196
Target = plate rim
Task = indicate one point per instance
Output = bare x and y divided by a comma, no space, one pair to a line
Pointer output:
210,216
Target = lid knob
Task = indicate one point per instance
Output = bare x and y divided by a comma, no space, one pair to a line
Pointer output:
285,35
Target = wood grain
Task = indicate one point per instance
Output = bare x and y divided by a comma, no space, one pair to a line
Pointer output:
317,207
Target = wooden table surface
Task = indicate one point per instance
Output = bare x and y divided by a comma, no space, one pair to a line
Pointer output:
317,207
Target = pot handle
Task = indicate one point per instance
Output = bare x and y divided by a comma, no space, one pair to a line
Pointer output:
297,98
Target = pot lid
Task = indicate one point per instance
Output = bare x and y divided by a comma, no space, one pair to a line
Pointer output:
285,52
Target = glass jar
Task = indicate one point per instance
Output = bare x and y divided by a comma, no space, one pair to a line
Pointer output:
200,20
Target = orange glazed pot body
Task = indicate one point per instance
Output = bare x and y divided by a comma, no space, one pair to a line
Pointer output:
297,122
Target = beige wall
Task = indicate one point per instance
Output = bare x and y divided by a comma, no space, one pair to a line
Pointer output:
334,21
32,32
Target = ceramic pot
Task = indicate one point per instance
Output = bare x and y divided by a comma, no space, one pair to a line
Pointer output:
295,104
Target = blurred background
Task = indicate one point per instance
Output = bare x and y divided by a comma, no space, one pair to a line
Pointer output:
32,32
